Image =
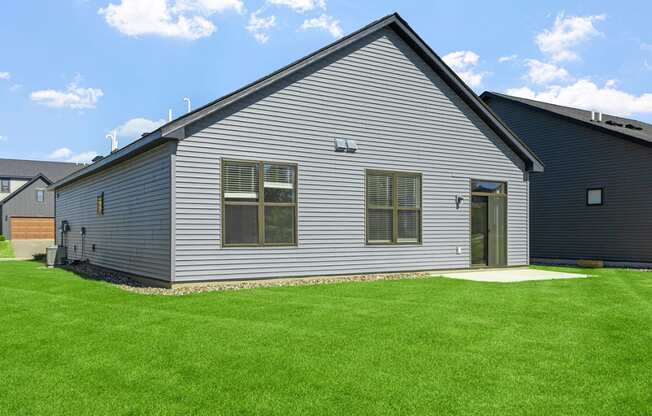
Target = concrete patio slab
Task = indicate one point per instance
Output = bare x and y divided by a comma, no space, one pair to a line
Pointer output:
511,275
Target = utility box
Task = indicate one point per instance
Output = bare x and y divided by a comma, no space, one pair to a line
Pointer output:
54,255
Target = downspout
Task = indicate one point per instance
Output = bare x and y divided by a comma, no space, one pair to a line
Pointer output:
173,221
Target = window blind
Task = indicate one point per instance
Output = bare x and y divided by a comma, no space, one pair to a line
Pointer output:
241,180
393,208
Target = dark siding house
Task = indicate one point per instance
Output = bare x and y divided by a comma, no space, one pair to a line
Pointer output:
594,200
24,200
369,155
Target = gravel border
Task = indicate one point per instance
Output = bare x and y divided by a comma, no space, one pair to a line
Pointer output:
125,282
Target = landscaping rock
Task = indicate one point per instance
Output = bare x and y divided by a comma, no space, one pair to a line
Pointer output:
124,281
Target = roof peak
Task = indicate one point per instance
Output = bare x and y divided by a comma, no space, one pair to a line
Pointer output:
176,129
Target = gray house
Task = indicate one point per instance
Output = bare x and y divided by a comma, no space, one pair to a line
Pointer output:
26,209
369,155
594,200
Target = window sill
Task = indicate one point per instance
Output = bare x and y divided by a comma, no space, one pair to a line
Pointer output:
416,243
229,246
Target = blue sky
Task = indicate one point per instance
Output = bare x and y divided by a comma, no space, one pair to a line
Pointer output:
73,70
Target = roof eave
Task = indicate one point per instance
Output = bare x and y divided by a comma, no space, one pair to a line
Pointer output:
176,129
532,162
143,144
281,73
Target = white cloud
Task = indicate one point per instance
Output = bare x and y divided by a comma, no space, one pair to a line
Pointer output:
61,153
67,155
3,138
134,128
84,157
5,76
507,58
544,73
258,25
185,19
566,34
74,96
611,83
327,23
464,64
523,92
646,47
208,7
647,65
300,5
15,87
589,96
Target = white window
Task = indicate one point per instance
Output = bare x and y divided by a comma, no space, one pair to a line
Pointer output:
40,195
594,196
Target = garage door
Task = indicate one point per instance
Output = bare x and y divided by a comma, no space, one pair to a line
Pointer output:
32,228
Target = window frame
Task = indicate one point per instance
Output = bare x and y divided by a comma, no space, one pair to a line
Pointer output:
261,204
37,193
99,207
395,208
601,189
505,195
6,190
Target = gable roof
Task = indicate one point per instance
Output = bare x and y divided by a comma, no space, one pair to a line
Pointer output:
27,169
611,124
175,129
25,186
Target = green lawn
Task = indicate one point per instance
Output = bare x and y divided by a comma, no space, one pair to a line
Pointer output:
434,346
6,252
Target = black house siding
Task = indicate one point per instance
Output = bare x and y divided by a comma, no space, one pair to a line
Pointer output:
578,157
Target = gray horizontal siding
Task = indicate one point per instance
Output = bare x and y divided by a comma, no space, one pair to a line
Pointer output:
133,235
24,205
402,116
578,157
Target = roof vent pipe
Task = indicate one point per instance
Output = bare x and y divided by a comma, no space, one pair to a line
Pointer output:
114,141
600,116
592,115
170,114
187,100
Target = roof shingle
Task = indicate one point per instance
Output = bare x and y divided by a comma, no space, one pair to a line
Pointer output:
609,122
27,169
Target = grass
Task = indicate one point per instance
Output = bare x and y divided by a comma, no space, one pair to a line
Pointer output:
433,346
6,251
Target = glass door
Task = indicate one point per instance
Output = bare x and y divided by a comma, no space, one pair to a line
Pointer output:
488,223
497,231
480,230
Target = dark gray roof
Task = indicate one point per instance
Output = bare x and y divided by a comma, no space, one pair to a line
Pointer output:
27,169
175,129
610,123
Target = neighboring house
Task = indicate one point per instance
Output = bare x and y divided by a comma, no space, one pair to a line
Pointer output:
595,199
26,208
370,155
